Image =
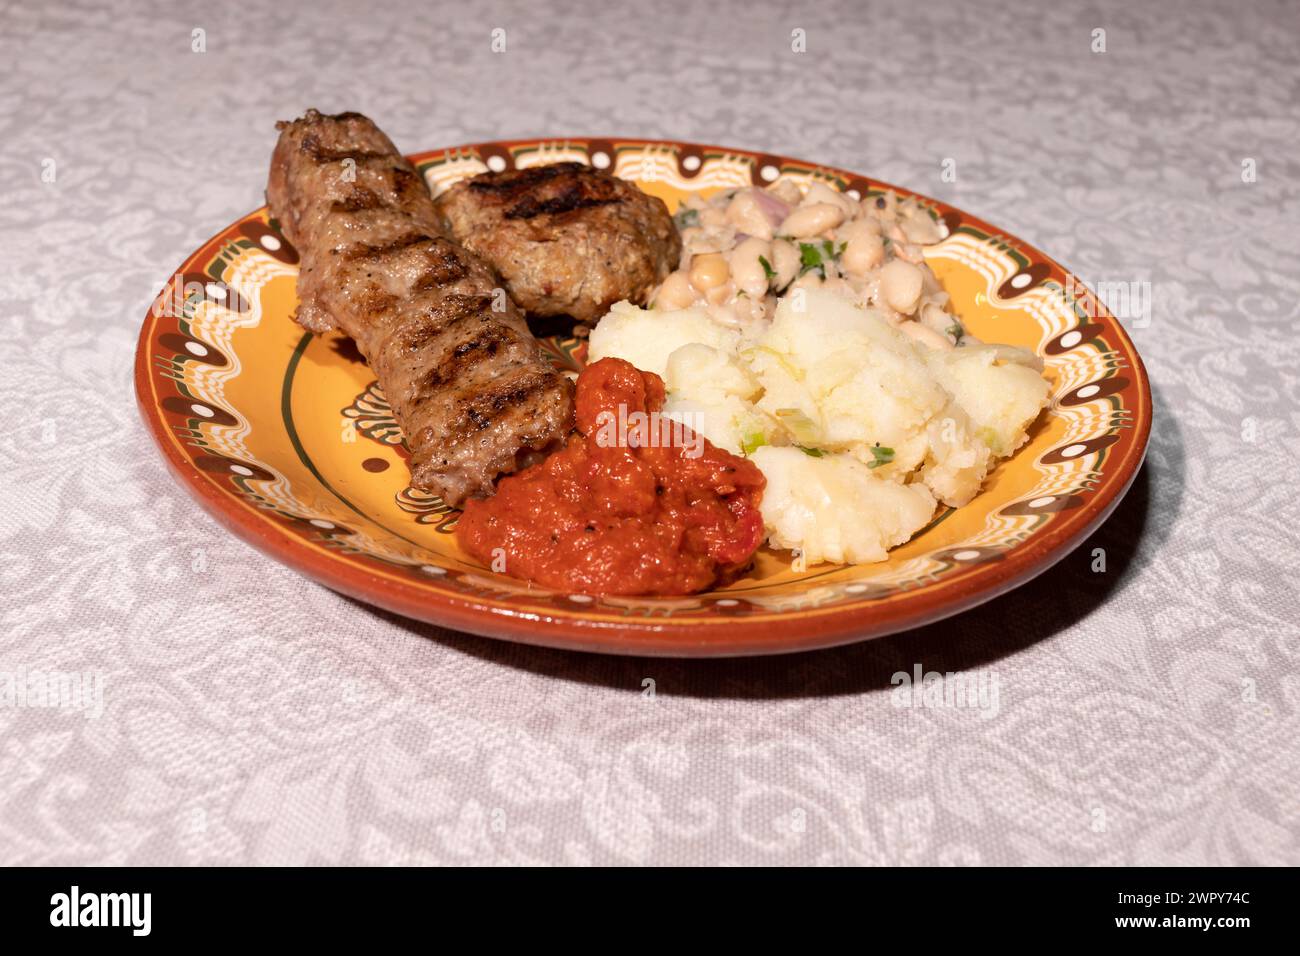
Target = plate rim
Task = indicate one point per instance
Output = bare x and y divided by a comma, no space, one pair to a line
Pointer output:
806,629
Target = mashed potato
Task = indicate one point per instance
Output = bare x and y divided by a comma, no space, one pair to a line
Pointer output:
832,508
848,378
859,427
647,337
1002,399
711,392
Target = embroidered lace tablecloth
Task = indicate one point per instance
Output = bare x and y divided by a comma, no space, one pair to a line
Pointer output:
235,712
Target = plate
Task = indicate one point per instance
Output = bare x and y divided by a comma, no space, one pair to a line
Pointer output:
286,439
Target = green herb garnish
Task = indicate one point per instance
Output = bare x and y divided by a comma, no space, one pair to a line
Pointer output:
767,268
686,218
811,452
883,456
810,257
956,331
814,255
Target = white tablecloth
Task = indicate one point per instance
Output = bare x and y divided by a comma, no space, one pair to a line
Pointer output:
1147,714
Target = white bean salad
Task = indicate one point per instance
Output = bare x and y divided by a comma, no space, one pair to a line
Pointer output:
745,247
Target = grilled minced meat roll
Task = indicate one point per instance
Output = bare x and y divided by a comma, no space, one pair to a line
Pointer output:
566,238
467,382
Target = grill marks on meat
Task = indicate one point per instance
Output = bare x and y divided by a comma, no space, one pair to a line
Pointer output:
566,238
526,193
468,384
569,200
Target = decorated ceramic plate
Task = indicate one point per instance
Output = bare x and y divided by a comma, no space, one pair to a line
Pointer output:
286,438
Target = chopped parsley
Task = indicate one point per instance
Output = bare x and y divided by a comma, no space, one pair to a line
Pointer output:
810,257
767,268
956,331
814,255
686,218
811,452
883,456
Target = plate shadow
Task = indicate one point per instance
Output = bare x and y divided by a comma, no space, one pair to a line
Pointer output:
1057,599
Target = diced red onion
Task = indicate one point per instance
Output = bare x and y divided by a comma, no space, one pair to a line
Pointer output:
774,209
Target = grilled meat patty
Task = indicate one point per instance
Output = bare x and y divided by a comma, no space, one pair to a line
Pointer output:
566,238
467,382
